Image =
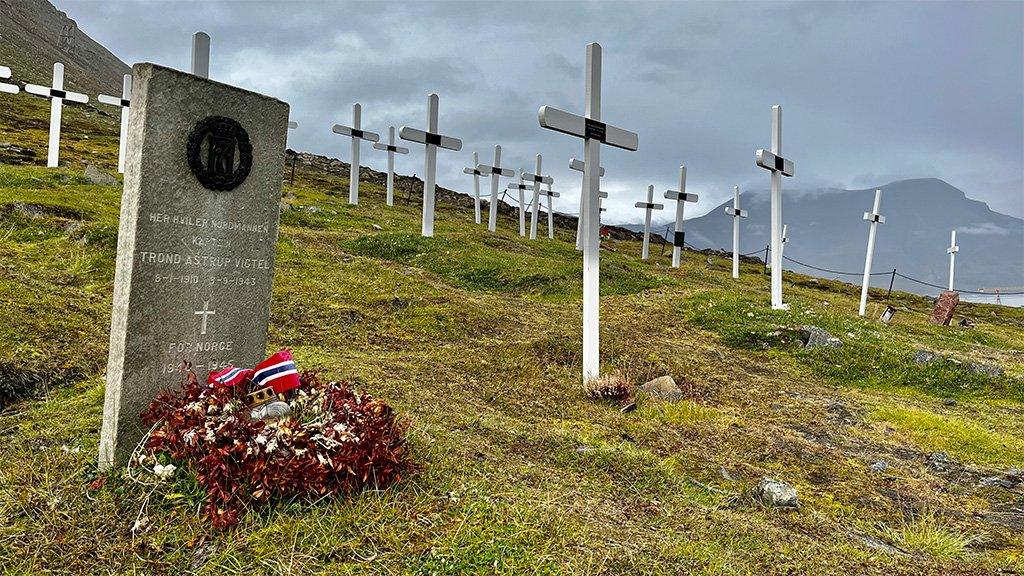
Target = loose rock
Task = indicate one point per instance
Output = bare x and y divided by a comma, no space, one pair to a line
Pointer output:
815,337
772,492
986,369
924,357
94,175
664,388
879,466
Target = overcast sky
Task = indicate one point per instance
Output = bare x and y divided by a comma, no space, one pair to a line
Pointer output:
871,92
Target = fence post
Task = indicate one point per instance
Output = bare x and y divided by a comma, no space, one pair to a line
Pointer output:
291,179
766,248
891,281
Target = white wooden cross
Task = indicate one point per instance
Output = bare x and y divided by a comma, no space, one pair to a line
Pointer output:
551,214
125,103
476,173
875,219
782,249
205,313
495,171
681,197
391,150
201,54
736,214
357,135
952,250
537,180
57,96
521,187
648,207
779,167
577,165
5,72
594,132
431,140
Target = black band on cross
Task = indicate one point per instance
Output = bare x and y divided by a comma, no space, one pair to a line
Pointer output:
357,133
125,103
780,163
679,239
430,138
54,93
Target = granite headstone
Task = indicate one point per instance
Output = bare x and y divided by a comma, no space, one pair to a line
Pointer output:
944,308
195,249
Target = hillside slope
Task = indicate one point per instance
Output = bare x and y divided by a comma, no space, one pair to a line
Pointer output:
475,338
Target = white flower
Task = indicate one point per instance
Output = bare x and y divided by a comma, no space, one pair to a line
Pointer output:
190,437
164,472
261,439
272,445
210,436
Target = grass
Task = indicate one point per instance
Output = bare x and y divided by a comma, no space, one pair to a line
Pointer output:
475,338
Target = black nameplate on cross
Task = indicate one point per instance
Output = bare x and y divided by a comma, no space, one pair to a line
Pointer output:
431,138
357,133
596,130
679,239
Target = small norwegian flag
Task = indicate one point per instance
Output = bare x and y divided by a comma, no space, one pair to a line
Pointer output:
229,376
278,371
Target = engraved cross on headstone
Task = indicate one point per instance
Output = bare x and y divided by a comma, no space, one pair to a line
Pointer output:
594,132
205,313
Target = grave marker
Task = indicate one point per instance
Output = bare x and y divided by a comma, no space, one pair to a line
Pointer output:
551,213
495,171
875,219
779,167
196,242
391,150
681,197
357,135
124,102
594,132
648,206
57,96
521,187
952,250
537,180
577,165
431,141
201,54
736,214
5,72
476,173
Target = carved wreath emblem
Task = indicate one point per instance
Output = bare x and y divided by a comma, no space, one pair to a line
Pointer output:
219,153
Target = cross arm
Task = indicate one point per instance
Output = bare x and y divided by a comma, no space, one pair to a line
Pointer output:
578,165
734,212
581,127
551,193
540,179
874,217
649,205
488,170
766,159
472,171
681,196
114,100
47,92
390,148
292,124
5,72
355,133
415,135
952,249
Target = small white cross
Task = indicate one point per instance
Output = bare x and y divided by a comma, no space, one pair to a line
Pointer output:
952,250
736,214
681,197
125,103
594,132
476,173
5,72
779,167
357,136
577,165
495,171
537,180
551,214
391,150
205,313
521,187
648,206
431,141
201,54
875,219
57,96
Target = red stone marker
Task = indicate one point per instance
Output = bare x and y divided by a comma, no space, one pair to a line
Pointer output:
944,307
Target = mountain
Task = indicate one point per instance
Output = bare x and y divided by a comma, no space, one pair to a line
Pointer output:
34,34
827,230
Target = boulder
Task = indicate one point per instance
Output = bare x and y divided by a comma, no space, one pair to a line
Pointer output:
94,175
815,337
664,388
986,369
777,494
922,356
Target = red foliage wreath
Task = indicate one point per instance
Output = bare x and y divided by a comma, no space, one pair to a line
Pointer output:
335,441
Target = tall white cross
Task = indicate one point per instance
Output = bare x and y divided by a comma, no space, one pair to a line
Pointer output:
391,150
5,72
495,171
594,133
201,54
125,103
648,207
551,214
357,136
577,165
952,250
476,173
681,197
521,187
57,96
875,219
736,214
779,167
537,180
431,140
782,249
205,313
